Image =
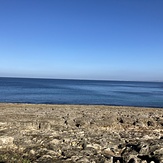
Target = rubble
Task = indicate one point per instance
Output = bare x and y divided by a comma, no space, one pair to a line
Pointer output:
80,134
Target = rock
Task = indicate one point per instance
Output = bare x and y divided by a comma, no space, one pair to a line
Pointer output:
108,153
32,152
144,149
110,160
83,160
70,134
95,146
159,151
45,159
46,156
144,161
55,141
6,141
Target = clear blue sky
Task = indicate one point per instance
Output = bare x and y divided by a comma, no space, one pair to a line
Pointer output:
82,39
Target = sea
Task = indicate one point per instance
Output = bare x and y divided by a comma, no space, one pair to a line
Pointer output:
86,92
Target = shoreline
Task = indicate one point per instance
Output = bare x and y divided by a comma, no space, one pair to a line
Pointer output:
80,133
66,104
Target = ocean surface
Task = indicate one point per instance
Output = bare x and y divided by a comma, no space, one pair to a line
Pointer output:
56,91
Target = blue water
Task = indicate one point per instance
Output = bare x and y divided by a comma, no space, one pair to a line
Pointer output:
52,91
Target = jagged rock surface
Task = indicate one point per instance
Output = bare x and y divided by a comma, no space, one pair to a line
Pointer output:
80,134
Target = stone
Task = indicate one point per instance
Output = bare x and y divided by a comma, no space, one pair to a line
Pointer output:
32,152
6,141
55,141
158,151
95,146
80,133
83,160
108,153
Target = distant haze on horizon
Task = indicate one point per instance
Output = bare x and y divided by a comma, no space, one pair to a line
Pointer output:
82,39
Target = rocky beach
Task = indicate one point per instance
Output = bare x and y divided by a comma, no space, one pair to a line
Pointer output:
80,134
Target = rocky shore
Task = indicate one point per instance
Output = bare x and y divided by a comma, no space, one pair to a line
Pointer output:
80,134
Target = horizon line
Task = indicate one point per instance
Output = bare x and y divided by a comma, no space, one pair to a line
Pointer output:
50,78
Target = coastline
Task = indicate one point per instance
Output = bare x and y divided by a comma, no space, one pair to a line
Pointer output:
81,133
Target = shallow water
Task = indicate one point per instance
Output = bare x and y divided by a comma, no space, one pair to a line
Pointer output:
56,91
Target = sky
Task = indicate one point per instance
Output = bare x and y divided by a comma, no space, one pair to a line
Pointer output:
82,39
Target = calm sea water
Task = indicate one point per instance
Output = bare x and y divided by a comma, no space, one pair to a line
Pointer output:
49,91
